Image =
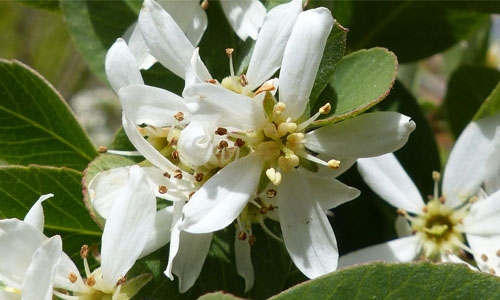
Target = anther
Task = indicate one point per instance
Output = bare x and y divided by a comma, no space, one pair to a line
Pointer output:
204,4
492,271
243,80
473,199
72,277
498,253
175,155
442,199
121,281
270,193
162,189
221,131
229,51
334,164
325,109
242,235
239,142
266,87
166,174
173,141
84,251
179,116
484,257
263,210
222,145
191,194
436,176
102,149
90,281
402,212
279,108
212,81
198,177
425,209
178,174
252,239
273,176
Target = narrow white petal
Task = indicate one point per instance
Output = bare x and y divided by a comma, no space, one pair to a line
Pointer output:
245,16
470,153
367,135
301,59
270,45
492,181
139,49
386,177
165,38
127,228
35,216
484,216
224,107
222,198
145,148
486,252
174,237
160,235
152,106
328,191
38,281
400,250
308,235
121,66
190,17
244,265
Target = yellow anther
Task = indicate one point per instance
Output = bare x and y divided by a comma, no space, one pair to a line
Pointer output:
436,176
274,177
334,164
204,4
229,51
279,108
287,127
269,150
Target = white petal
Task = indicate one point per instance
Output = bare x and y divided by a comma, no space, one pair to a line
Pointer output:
127,228
106,187
40,274
164,38
67,266
196,71
386,177
224,107
121,66
366,135
244,265
245,16
329,192
222,198
190,17
160,235
308,235
18,242
470,153
402,226
145,148
301,59
492,181
195,144
35,216
152,106
139,49
270,45
489,246
400,250
484,216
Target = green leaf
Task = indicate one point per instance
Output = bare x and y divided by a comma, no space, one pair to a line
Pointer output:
334,50
491,105
52,5
218,296
65,213
361,80
38,126
412,29
95,25
468,87
399,281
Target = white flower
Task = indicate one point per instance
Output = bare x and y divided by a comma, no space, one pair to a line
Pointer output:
245,16
444,225
28,259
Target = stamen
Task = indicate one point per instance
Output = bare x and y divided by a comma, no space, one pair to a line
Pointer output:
229,52
251,239
102,149
72,277
239,143
124,153
242,235
162,189
436,177
221,131
84,253
272,193
166,174
274,177
90,281
484,257
178,174
267,230
334,164
121,281
243,80
179,116
323,110
198,177
222,145
498,253
175,155
266,87
402,212
212,81
204,4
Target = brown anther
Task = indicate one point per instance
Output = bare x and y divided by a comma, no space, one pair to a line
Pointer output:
212,81
162,189
166,174
270,193
221,131
402,212
173,142
270,207
266,87
484,257
102,149
90,281
242,235
204,4
252,239
263,210
191,194
243,80
442,199
498,253
72,277
84,251
121,281
461,220
492,271
239,142
198,177
229,51
425,209
222,145
179,116
178,174
175,155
